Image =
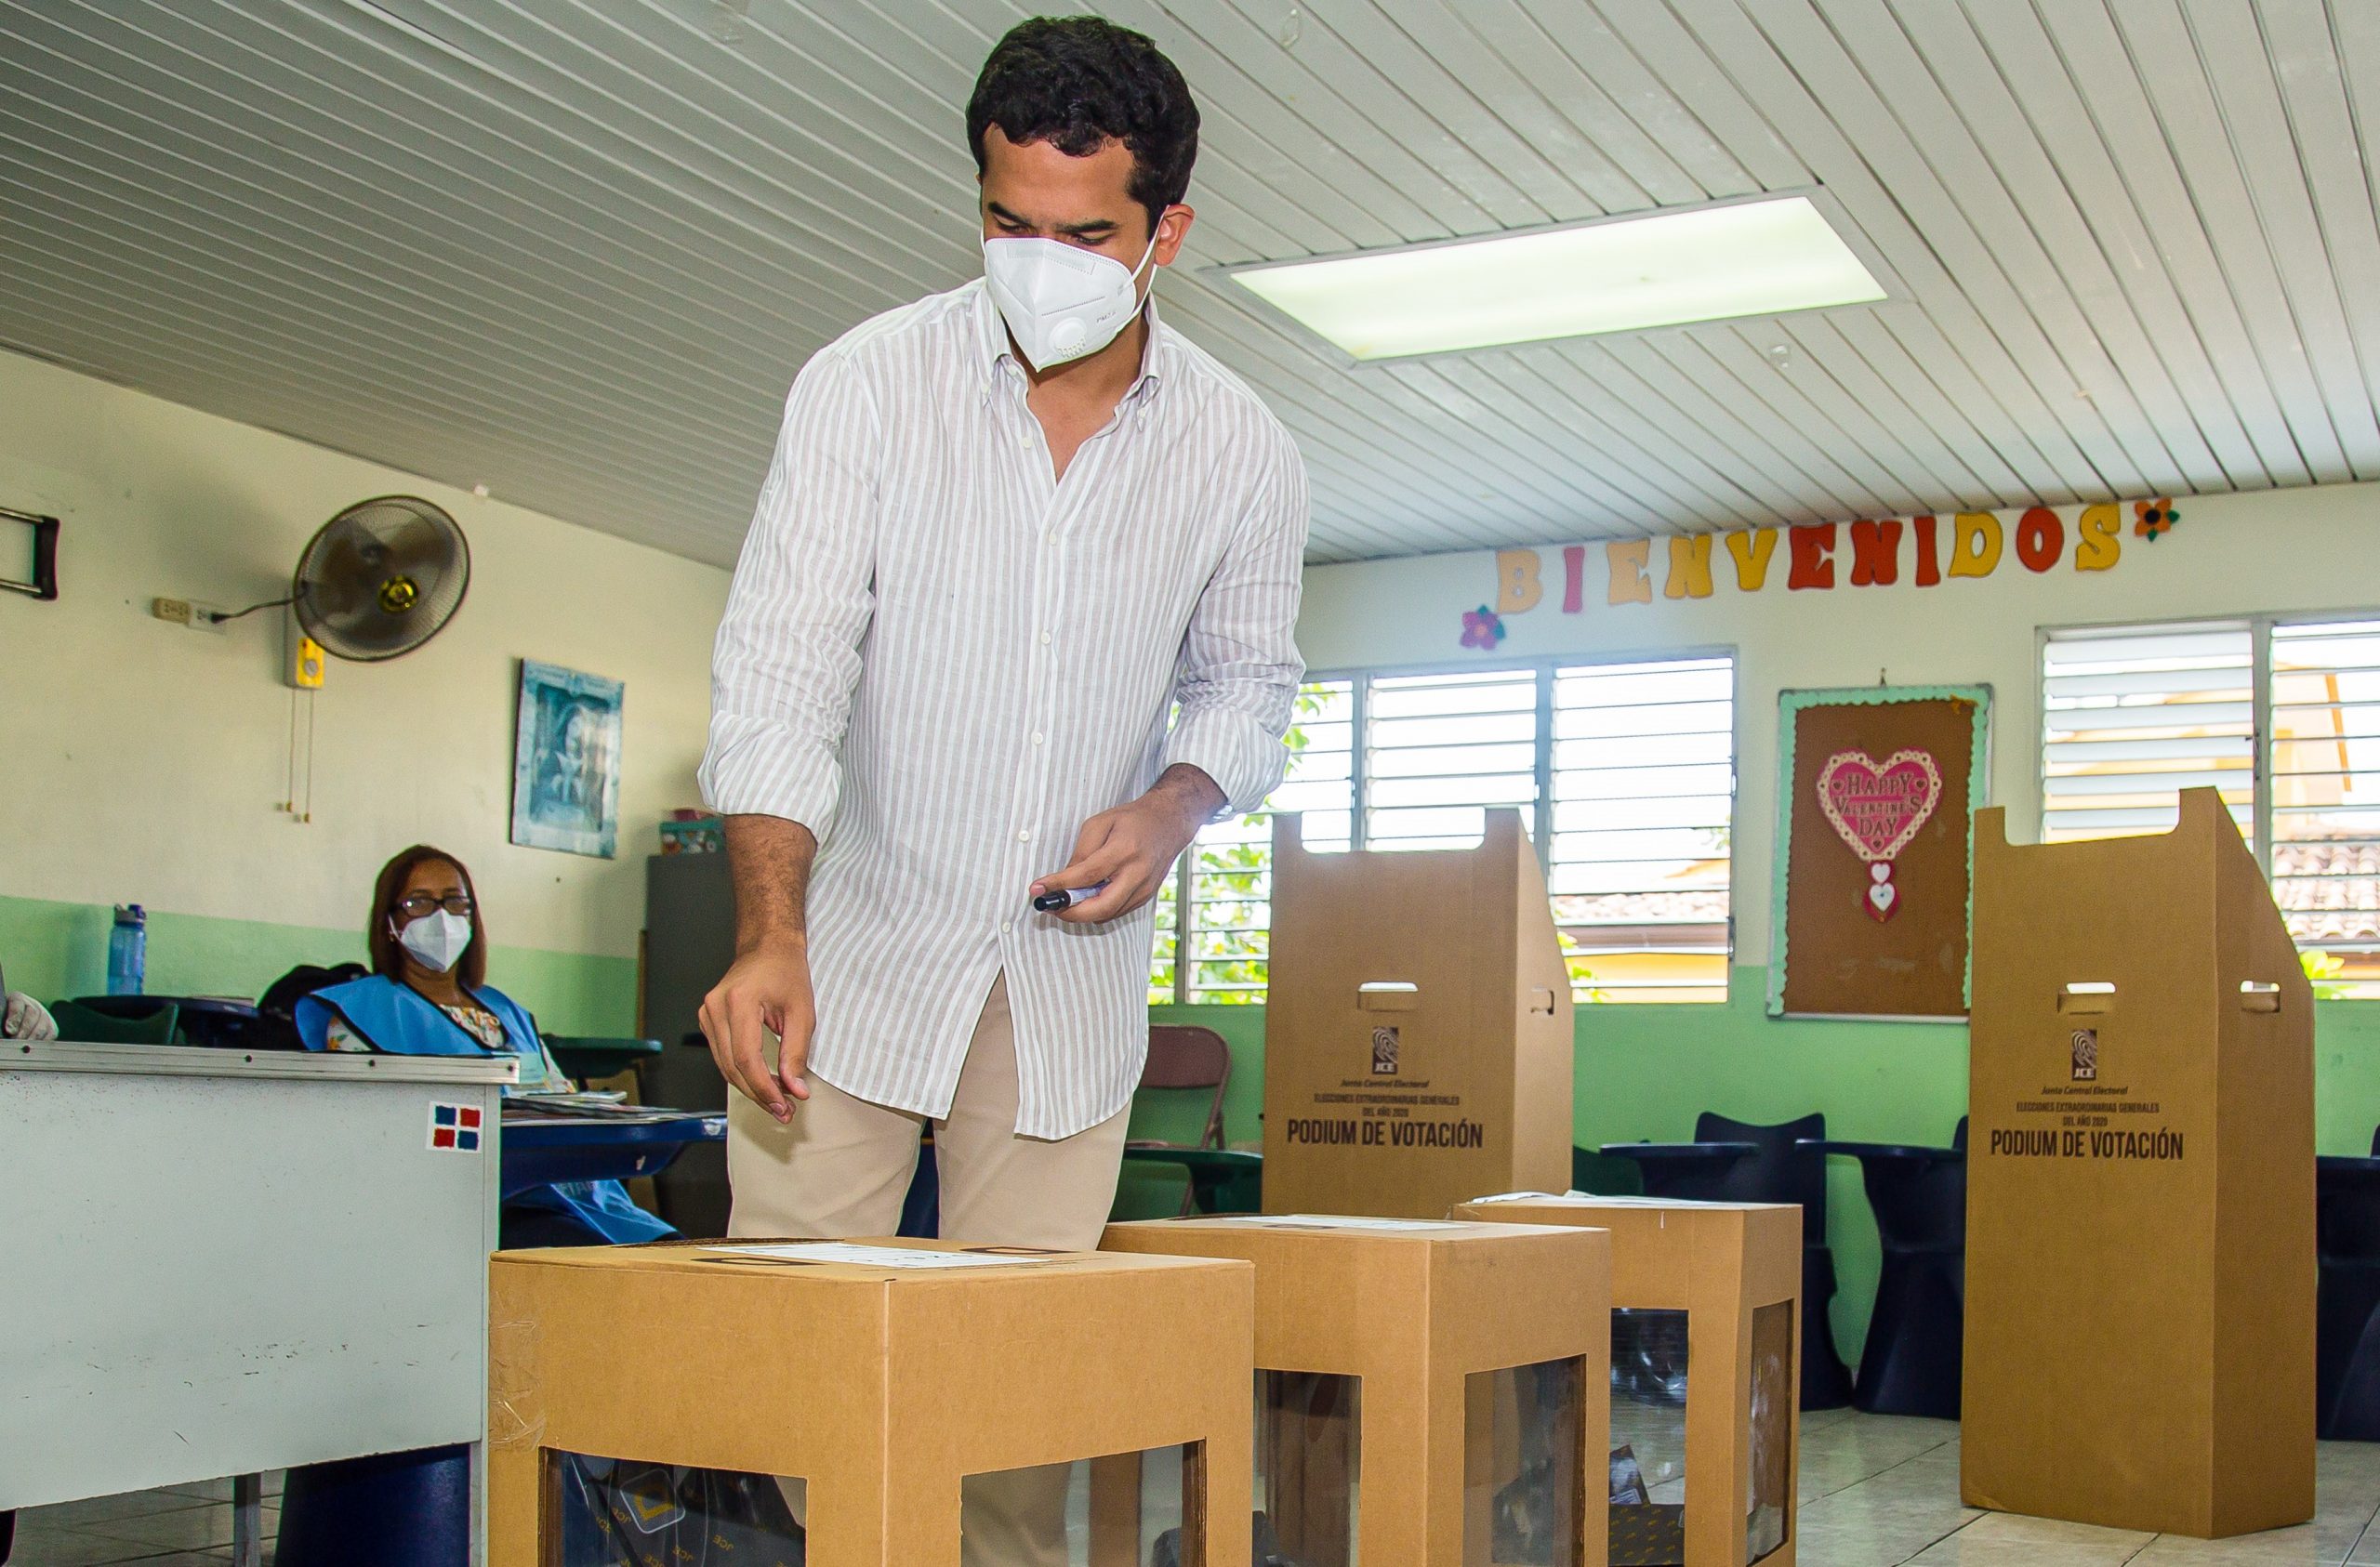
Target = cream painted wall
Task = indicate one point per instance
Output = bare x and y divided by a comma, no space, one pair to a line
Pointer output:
145,762
2288,550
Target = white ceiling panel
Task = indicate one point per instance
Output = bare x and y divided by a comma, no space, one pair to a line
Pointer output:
576,250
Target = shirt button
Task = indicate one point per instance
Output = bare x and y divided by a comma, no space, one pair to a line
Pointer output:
1037,737
1050,537
1045,639
1024,834
1006,926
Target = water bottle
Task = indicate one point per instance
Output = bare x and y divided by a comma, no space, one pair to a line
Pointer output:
128,950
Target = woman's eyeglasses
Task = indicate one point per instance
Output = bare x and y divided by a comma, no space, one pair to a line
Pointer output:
414,905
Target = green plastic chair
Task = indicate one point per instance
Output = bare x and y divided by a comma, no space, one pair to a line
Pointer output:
83,1026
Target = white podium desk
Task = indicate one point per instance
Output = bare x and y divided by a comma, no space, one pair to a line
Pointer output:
217,1262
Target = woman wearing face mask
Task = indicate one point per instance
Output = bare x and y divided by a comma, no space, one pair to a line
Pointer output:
428,995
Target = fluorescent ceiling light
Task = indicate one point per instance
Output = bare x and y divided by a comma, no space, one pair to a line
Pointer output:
1710,263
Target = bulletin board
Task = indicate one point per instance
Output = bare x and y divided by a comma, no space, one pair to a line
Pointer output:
1877,790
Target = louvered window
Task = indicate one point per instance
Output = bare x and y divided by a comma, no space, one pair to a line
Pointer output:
1623,774
1644,805
2325,783
2133,715
1439,749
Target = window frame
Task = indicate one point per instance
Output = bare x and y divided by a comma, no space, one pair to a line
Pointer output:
1544,668
2261,626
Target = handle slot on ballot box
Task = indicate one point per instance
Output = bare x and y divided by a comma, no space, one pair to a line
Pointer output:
2085,997
2259,995
1388,996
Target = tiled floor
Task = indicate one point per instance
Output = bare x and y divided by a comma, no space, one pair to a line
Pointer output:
181,1527
1876,1492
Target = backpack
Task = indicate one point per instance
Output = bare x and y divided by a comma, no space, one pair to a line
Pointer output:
276,1024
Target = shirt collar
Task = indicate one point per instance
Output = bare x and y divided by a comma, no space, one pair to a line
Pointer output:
1161,359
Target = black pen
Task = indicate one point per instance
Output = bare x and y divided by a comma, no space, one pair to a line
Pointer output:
1066,897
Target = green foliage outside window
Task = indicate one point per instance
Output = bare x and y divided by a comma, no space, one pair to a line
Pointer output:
2323,966
1232,881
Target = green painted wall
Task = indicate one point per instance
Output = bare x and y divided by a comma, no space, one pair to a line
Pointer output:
1645,1072
59,949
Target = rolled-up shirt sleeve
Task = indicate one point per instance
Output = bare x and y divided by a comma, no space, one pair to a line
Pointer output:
1238,683
787,658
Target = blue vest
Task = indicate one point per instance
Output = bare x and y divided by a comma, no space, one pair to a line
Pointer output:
396,1020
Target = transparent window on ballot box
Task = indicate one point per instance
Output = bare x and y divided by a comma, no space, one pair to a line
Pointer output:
1124,1509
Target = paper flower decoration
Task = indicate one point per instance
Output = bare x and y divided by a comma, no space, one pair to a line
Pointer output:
2152,519
1481,628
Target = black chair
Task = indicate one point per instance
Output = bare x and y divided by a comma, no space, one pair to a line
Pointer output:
1741,1162
585,1058
2346,1311
1914,1352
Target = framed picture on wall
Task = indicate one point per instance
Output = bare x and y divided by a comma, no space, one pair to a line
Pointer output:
566,761
1877,790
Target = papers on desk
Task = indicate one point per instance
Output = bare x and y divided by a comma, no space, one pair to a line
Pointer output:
597,1106
874,1256
1332,1221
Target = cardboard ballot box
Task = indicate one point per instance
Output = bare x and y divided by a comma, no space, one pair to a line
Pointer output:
2140,1185
1706,1362
1428,1394
1091,1408
1418,1045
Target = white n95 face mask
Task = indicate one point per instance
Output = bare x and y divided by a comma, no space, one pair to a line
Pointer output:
437,940
1061,301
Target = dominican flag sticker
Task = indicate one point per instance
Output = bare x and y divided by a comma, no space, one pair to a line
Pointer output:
455,1128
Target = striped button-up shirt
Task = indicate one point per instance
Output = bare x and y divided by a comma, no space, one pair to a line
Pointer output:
941,659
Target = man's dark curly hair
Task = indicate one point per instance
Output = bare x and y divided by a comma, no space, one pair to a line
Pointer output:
1079,83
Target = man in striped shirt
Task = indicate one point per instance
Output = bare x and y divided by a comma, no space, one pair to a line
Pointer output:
1015,614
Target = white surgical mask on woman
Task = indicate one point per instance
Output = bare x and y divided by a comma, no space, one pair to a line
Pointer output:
437,940
1061,301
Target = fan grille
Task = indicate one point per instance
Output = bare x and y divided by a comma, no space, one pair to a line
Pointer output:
381,578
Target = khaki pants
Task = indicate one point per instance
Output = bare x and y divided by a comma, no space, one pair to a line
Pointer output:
841,1170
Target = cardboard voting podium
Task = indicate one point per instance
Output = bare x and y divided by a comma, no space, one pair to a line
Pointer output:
1705,1373
902,1390
1428,1394
1418,1043
2140,1186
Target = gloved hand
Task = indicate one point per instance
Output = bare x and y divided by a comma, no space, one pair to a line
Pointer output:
26,1019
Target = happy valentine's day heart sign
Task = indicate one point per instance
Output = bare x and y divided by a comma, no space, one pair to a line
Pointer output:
1877,809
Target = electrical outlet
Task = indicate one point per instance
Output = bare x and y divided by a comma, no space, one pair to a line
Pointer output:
191,613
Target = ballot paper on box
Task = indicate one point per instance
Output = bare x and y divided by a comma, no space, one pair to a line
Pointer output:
1429,1393
1418,1045
2140,1262
1705,1365
860,1404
